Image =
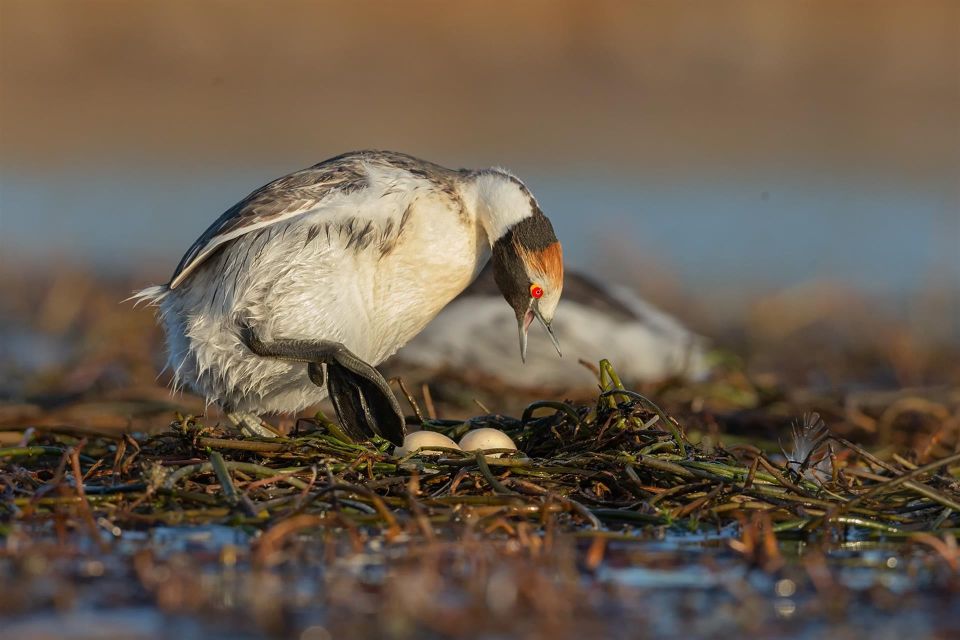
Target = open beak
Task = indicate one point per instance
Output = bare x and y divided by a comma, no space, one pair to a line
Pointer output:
524,325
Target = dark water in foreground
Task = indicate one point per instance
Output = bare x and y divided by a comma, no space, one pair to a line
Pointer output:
198,582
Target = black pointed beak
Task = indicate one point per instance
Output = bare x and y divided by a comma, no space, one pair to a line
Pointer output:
524,322
546,325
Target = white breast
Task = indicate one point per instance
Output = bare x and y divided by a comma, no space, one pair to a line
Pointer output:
437,259
373,302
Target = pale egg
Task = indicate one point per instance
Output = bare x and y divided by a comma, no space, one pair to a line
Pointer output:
419,439
486,438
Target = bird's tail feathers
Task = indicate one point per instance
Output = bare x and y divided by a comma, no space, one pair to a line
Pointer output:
151,296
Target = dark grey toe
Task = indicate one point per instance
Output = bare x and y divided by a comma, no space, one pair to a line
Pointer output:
362,398
365,404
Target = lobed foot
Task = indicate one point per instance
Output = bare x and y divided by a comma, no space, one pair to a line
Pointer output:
361,397
364,402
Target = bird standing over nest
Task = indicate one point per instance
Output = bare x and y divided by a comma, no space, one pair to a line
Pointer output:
310,281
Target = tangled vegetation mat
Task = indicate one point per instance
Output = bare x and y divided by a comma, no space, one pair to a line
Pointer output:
312,534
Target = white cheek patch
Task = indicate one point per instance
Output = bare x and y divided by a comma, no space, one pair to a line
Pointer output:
502,203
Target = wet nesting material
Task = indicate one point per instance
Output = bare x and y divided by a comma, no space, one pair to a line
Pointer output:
612,516
619,466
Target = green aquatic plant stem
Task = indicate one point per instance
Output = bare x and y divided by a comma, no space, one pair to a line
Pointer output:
802,523
917,487
550,404
495,484
650,404
609,380
243,445
247,467
902,479
884,487
35,450
223,477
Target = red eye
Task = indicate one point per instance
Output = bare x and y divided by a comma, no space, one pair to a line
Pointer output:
536,291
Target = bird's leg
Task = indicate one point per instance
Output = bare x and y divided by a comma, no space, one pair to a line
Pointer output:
249,424
361,397
316,374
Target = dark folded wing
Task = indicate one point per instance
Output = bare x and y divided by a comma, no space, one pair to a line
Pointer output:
287,197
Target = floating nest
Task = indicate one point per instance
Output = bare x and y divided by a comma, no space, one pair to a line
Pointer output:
618,467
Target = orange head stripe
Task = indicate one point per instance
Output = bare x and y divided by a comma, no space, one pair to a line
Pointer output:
548,261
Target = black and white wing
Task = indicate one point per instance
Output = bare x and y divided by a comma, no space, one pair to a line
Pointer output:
292,195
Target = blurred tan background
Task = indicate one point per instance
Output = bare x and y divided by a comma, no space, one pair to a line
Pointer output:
619,86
